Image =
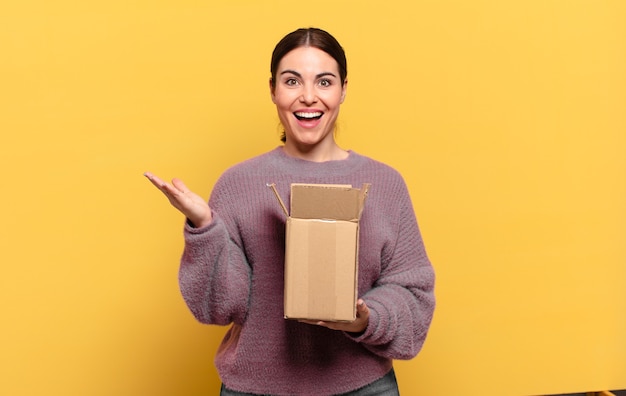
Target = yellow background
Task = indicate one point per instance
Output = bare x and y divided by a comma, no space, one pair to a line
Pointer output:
507,119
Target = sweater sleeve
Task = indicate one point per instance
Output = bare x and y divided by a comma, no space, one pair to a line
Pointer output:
214,278
402,301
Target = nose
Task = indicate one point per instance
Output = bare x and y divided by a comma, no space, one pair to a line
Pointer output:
309,96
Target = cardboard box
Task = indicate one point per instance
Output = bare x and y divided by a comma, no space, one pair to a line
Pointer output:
321,252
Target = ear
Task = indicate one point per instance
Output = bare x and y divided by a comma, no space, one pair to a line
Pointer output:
272,88
344,88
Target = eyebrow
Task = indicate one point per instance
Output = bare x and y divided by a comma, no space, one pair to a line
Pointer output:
323,74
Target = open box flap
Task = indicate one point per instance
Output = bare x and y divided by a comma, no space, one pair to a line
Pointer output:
327,201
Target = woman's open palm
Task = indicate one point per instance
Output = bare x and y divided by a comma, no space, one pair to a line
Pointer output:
193,206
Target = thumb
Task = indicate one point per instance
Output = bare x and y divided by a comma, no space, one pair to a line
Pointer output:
180,186
361,308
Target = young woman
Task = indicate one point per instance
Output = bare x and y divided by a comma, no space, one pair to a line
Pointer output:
231,271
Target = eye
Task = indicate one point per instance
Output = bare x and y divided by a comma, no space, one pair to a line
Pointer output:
325,82
290,82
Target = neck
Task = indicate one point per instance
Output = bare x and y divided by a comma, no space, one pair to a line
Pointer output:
317,153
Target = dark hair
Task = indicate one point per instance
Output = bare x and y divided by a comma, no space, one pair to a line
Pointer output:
308,37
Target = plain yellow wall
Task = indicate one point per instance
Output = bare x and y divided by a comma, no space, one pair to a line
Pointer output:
507,119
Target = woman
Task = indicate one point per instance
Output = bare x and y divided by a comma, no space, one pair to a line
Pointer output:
232,266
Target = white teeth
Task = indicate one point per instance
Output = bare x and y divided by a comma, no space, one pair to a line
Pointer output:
308,115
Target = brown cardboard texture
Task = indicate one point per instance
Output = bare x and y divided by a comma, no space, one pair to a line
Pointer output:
321,252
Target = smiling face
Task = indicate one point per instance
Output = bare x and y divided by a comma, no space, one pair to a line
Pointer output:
308,92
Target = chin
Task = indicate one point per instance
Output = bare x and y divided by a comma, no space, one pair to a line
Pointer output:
309,138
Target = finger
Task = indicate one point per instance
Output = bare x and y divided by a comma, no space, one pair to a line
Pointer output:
361,308
312,322
169,190
158,183
180,186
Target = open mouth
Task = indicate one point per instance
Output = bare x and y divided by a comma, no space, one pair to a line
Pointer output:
302,116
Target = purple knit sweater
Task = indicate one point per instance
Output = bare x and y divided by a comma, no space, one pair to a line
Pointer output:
232,273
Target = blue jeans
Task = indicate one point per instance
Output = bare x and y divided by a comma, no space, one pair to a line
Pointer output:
385,386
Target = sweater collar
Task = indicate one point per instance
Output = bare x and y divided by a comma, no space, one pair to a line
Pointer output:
309,168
